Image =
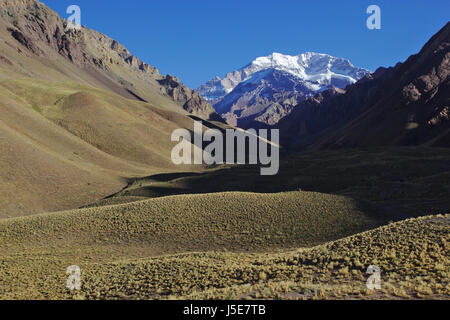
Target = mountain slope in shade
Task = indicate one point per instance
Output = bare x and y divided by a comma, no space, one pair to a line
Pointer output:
404,105
267,89
36,31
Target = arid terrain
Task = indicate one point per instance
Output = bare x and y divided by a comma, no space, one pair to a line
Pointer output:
86,179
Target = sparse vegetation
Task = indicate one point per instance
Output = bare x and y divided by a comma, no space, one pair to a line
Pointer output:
245,245
413,256
86,179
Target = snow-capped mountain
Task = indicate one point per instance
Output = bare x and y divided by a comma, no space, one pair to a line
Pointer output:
269,87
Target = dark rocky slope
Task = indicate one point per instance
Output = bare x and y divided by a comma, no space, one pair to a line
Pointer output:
408,104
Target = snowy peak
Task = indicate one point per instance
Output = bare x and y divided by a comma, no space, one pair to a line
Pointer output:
306,64
267,89
320,70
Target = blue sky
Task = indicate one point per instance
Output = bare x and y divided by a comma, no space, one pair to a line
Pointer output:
199,39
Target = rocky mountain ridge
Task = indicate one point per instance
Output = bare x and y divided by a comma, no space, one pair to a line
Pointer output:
41,32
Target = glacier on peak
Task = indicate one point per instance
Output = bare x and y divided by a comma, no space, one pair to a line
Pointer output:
317,70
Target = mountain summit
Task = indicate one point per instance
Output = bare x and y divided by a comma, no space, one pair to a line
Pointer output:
266,89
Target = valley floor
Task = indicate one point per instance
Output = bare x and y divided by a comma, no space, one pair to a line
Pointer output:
227,233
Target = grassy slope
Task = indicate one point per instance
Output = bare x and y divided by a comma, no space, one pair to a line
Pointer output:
412,254
69,144
124,128
71,140
44,164
36,246
235,221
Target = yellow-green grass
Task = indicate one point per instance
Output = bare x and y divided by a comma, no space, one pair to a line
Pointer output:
43,167
233,221
114,201
128,129
65,145
35,248
413,256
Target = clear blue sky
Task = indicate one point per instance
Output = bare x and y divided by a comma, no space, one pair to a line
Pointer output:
199,39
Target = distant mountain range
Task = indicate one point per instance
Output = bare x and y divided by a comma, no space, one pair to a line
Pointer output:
269,87
321,102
